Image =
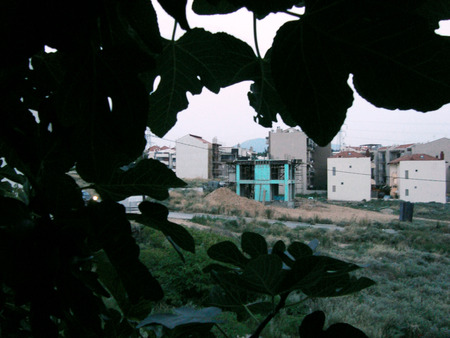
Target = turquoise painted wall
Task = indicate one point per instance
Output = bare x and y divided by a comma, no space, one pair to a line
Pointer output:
262,182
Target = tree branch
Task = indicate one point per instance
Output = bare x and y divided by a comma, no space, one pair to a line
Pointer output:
266,321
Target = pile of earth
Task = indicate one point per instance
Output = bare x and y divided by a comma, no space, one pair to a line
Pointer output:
227,202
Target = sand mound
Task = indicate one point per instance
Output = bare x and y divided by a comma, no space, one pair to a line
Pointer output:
227,200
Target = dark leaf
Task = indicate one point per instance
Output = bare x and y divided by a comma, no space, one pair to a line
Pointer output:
60,193
434,11
311,78
260,8
312,327
414,62
198,59
9,173
155,216
396,59
216,267
149,178
90,279
5,187
230,299
299,250
264,98
279,249
177,9
182,316
104,113
210,7
227,252
263,274
344,330
113,231
311,271
253,244
140,22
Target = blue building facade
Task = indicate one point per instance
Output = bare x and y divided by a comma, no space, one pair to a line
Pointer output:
266,180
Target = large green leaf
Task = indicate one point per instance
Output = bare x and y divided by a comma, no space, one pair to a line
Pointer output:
149,177
434,11
177,9
111,230
210,7
227,252
299,250
198,59
236,300
260,8
263,274
253,244
397,60
311,79
319,275
155,215
264,98
8,172
312,327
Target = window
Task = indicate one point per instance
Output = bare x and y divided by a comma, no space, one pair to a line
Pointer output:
334,171
406,192
334,188
406,174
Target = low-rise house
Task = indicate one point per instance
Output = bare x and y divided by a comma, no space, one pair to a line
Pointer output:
349,177
440,149
418,178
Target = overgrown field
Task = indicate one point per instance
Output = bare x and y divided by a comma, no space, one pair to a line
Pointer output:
409,262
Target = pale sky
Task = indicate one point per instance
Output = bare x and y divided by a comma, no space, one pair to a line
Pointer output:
229,117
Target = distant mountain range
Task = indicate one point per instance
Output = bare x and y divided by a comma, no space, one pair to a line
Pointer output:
259,144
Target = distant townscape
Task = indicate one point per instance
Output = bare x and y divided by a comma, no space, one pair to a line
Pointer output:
293,164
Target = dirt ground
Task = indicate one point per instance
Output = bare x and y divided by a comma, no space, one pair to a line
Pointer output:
226,200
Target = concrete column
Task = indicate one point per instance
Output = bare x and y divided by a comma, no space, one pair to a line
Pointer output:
238,179
286,182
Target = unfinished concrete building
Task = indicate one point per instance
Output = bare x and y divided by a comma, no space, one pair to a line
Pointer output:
266,180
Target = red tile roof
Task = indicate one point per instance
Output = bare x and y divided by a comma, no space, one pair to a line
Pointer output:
404,146
200,138
348,154
414,157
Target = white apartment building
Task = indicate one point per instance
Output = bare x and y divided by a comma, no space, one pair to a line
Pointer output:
418,178
194,157
164,154
349,177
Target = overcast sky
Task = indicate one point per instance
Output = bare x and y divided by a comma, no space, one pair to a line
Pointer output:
229,117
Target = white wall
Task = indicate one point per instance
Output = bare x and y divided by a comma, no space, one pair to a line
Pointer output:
434,148
193,158
425,182
350,180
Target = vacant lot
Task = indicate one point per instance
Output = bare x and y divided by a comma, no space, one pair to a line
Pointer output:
409,261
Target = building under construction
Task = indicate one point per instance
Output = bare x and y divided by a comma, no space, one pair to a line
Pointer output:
266,180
